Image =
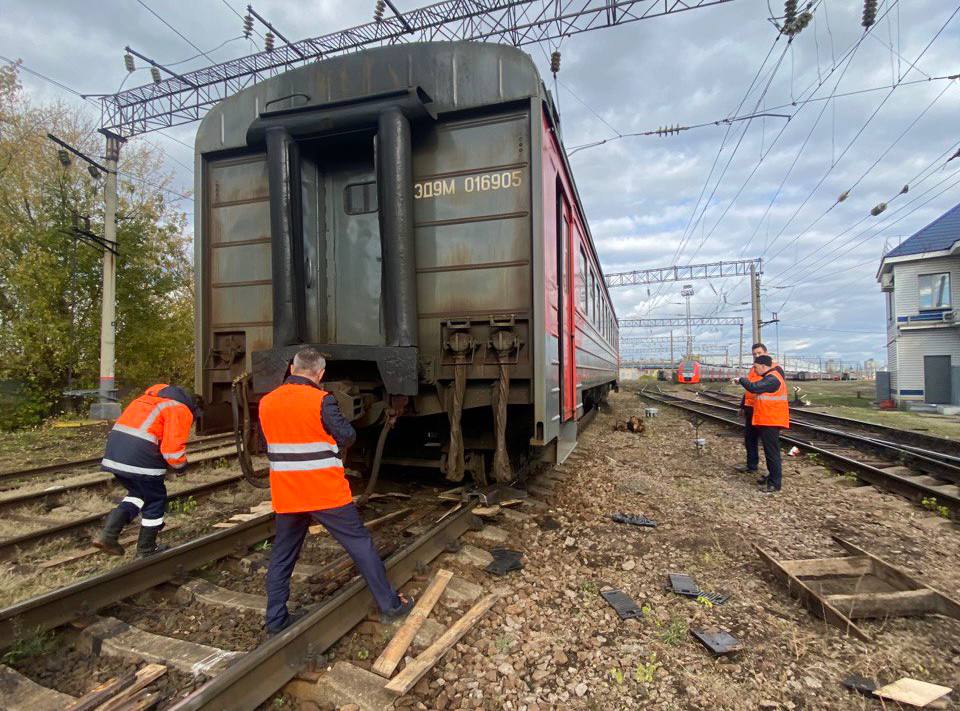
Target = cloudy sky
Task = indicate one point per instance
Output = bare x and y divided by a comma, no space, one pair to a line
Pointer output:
858,114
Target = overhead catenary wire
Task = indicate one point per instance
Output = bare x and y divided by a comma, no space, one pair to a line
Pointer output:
174,29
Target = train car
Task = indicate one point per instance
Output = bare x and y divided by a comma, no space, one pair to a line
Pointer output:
693,371
410,211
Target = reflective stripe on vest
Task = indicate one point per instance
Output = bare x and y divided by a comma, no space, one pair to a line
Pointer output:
773,409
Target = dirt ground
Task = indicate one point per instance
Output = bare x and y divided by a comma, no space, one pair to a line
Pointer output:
553,642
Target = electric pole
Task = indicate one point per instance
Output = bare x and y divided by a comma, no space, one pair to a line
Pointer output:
671,347
755,302
107,406
686,292
740,351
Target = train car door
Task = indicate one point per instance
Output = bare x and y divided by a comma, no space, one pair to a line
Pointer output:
568,331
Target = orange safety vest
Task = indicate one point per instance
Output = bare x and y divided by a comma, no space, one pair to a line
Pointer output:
150,435
772,409
305,472
749,399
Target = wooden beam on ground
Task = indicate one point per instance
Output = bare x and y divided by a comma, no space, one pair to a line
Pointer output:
405,680
899,603
74,556
390,657
849,565
145,676
97,696
810,599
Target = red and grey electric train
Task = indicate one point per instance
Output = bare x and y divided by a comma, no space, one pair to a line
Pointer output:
693,371
410,211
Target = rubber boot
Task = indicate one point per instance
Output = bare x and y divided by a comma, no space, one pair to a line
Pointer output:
106,540
147,543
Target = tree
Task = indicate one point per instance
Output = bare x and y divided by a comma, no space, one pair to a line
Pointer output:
50,281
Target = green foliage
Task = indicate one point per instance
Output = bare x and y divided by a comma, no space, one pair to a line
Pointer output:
676,632
262,546
182,506
704,602
646,671
503,643
617,675
50,282
646,610
363,653
32,646
931,504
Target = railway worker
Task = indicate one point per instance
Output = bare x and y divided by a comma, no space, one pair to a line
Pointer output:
751,437
306,436
771,413
149,437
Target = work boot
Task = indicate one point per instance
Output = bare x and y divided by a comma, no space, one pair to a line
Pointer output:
147,543
744,469
762,481
106,540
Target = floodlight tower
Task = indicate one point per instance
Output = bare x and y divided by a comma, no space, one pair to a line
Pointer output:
686,292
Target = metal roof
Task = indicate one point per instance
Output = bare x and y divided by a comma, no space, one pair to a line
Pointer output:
939,235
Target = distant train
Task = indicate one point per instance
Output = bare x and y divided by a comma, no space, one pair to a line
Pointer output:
693,371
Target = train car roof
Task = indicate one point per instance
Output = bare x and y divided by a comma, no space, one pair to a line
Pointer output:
455,75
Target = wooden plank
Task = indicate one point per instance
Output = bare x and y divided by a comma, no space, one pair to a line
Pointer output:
97,696
811,600
946,605
849,565
405,680
390,657
20,693
318,529
912,691
145,676
886,604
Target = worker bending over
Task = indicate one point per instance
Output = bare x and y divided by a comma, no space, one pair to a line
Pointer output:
306,436
751,436
771,413
148,438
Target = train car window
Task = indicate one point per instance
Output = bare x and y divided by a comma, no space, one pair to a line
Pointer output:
592,312
360,198
582,279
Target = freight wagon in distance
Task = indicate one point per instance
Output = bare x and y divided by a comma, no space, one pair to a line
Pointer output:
410,211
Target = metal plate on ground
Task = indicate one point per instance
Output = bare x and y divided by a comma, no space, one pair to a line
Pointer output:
622,603
719,642
683,584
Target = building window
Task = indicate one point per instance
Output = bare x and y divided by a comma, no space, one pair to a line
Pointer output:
889,295
934,291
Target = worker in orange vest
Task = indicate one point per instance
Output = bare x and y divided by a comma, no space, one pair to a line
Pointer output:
149,437
751,437
771,413
307,435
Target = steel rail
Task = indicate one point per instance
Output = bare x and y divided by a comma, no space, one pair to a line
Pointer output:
10,545
904,485
84,598
937,464
91,461
919,442
259,674
18,499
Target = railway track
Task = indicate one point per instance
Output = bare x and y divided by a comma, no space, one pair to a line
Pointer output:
918,474
16,477
240,680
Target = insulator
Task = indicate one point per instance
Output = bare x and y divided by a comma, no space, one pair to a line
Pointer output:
955,155
155,73
128,62
378,11
63,155
94,173
268,41
843,196
803,19
869,12
789,12
904,190
554,62
247,25
878,209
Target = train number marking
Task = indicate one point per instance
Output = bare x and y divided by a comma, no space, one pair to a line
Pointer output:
482,182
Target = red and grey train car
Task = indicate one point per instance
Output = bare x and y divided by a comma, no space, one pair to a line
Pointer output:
410,211
694,371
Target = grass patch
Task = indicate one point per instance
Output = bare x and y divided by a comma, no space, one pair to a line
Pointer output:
676,632
27,647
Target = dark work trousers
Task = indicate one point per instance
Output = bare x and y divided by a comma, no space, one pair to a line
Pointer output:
770,436
146,496
345,526
751,438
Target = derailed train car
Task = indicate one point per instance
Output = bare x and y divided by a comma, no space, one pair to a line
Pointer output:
409,210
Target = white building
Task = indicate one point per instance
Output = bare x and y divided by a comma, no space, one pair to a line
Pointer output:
921,282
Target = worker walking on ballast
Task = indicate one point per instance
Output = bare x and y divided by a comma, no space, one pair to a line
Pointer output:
771,413
148,438
306,436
